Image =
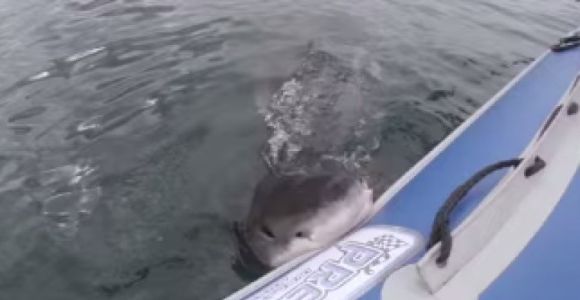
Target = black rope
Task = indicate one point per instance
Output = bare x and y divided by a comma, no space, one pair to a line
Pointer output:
551,119
440,231
567,43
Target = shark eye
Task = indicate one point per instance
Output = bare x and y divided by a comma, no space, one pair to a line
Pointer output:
300,234
267,231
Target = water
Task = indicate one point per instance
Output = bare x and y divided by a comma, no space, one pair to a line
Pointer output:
132,136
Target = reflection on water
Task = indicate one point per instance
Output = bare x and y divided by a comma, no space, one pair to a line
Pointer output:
132,130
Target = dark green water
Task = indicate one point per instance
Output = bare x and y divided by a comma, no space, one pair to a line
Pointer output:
130,131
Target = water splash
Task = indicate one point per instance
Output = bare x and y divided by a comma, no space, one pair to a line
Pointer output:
113,119
65,194
316,116
287,117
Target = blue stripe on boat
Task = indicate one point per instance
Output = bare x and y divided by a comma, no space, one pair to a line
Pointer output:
502,132
549,266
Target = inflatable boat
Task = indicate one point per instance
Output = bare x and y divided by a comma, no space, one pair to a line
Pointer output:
492,212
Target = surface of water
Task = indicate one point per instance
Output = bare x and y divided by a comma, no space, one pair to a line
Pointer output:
132,133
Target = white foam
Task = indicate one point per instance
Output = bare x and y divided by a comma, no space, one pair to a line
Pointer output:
84,54
88,126
39,76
